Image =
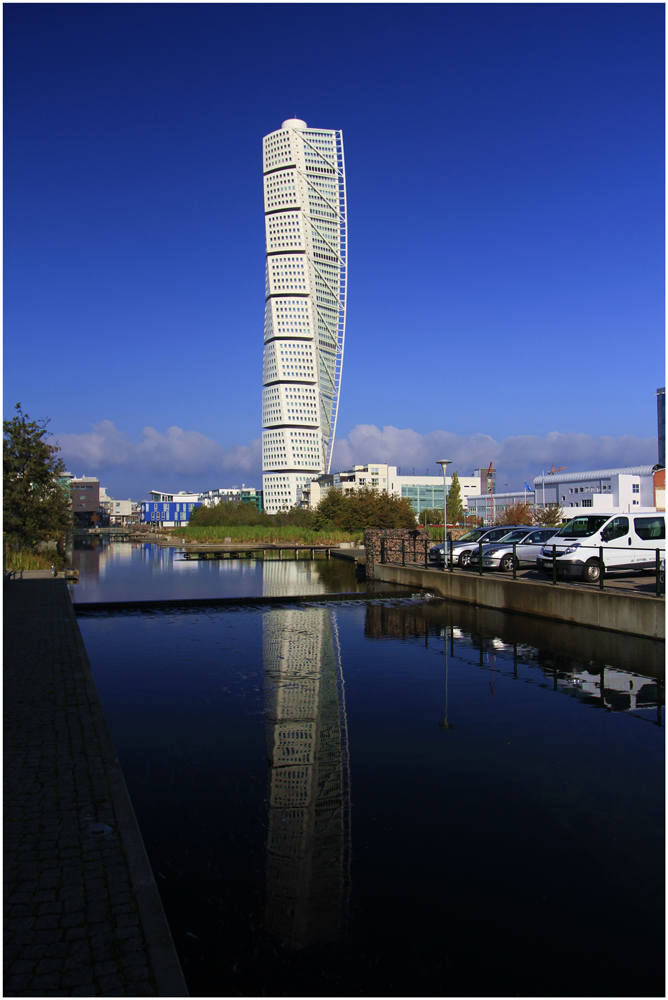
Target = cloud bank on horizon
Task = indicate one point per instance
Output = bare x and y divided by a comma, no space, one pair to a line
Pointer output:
179,457
516,458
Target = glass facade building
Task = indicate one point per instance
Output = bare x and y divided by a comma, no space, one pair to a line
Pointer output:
305,306
423,497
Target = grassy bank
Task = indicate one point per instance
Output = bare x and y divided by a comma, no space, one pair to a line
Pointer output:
270,535
16,559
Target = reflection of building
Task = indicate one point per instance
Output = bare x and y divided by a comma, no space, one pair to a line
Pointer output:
617,690
595,682
291,576
308,842
86,556
383,621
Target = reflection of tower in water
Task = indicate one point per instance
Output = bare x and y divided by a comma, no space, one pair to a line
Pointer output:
308,845
291,576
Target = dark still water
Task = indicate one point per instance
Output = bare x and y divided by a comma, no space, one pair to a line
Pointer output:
394,798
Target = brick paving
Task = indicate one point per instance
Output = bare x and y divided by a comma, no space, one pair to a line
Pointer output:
82,913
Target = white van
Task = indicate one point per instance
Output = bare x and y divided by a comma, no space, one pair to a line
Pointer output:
628,541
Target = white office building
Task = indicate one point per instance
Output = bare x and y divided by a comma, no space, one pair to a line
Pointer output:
424,492
625,489
305,306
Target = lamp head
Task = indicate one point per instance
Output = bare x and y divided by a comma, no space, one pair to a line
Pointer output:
444,462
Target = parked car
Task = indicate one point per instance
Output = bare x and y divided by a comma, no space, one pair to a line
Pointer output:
627,541
499,555
462,547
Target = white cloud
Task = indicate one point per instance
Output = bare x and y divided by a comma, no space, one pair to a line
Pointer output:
515,458
188,455
178,452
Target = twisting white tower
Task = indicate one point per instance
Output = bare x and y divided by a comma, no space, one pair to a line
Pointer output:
305,310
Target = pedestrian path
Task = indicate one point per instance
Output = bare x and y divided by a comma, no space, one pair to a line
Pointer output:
83,915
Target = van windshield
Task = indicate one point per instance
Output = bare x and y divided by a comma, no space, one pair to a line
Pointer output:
583,527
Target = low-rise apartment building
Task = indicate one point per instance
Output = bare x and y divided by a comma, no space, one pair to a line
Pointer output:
167,513
86,507
123,513
209,498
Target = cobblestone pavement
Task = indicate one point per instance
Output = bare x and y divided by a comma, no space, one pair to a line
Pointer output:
82,913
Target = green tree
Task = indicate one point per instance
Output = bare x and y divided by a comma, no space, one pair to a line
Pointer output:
331,511
36,500
228,514
454,504
296,517
550,516
360,509
431,516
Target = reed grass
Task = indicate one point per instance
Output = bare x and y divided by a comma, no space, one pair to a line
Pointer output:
17,559
287,535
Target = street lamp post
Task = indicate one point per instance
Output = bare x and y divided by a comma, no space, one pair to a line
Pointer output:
444,463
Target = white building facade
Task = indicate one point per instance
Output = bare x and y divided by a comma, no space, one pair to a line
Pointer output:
606,490
424,492
305,306
626,489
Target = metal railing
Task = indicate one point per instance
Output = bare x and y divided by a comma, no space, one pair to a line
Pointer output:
448,561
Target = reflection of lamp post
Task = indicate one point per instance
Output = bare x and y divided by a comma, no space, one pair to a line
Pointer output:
444,463
445,724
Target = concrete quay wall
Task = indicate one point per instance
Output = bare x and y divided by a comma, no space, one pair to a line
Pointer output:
615,612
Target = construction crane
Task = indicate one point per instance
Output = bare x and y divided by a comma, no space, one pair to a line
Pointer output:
553,470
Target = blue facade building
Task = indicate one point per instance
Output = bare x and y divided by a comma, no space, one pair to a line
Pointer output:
169,514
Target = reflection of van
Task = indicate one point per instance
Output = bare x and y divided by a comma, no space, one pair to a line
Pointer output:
628,541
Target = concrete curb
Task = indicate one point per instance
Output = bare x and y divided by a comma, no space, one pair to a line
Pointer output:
162,952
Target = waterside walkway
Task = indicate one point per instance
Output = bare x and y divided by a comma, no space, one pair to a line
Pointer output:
83,915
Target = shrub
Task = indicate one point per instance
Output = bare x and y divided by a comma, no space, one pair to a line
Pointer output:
518,513
361,509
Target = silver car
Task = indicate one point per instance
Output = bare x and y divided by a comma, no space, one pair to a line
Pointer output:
499,555
464,546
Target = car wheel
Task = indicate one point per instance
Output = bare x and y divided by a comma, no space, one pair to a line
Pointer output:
506,563
591,571
464,559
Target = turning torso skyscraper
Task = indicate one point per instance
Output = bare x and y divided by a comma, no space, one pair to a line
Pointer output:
305,306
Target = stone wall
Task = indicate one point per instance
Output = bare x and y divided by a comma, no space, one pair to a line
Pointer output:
413,538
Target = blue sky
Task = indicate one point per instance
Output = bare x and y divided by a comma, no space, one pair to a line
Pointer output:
505,179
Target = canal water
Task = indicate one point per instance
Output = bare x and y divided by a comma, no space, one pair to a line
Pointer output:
394,797
141,571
